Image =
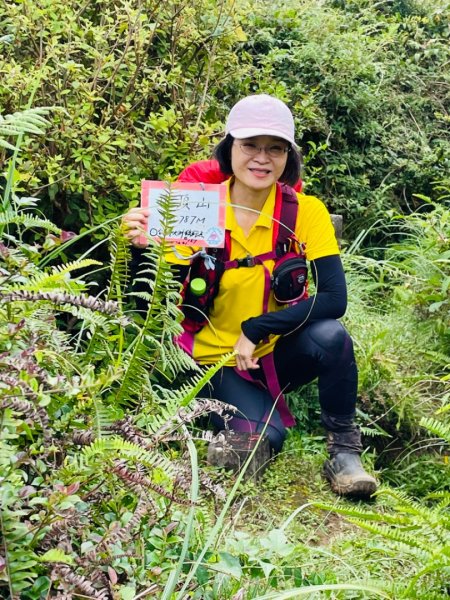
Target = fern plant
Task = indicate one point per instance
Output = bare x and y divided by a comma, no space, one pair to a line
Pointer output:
153,350
83,481
88,482
31,120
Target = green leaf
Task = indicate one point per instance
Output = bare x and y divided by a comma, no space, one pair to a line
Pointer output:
127,592
56,555
277,542
266,567
228,564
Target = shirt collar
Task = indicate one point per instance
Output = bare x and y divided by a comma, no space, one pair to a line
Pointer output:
265,218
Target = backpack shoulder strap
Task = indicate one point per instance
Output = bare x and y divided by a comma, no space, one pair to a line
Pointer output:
285,215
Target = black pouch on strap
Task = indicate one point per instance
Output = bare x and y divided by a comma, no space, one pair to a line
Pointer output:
290,279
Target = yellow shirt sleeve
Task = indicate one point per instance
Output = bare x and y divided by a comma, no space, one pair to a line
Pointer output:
314,228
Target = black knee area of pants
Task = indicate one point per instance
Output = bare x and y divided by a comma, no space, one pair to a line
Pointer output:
332,342
321,349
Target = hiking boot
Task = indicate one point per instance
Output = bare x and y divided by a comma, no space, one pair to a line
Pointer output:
347,476
344,469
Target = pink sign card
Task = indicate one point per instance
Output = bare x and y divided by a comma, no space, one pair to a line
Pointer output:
199,208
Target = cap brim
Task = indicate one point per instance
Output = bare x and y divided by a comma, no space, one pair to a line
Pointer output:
248,132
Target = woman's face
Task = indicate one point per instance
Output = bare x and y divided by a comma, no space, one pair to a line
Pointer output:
258,162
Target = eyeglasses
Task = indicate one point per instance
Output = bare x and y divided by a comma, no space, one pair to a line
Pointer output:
274,151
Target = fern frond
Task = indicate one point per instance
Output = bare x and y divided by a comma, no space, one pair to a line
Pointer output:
166,410
437,428
103,419
199,382
408,541
372,432
30,120
136,374
161,323
408,506
106,446
120,254
27,221
177,359
7,145
164,352
444,498
359,513
58,275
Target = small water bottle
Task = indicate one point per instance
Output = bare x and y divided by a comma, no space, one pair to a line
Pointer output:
197,286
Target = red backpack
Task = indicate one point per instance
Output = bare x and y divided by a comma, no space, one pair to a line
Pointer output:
208,171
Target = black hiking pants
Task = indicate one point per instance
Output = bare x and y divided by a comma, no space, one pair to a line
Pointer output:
321,350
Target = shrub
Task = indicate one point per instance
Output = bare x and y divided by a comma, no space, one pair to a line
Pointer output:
138,84
368,84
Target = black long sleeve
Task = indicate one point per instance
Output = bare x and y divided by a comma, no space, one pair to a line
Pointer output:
330,301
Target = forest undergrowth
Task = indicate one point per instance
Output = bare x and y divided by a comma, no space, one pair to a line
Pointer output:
104,488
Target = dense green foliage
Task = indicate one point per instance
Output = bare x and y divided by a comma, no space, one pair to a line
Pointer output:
103,494
145,87
370,86
403,356
133,81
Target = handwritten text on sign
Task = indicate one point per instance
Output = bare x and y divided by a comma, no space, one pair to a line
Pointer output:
199,209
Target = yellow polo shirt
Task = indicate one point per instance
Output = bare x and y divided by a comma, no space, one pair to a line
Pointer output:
241,290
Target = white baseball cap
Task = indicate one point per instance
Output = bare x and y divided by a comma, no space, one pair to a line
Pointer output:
261,114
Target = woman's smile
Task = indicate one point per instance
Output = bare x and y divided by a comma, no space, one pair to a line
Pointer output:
259,172
254,167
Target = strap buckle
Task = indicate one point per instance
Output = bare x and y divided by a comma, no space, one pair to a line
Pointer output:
248,261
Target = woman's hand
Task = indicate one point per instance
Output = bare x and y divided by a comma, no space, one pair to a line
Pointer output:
244,349
135,222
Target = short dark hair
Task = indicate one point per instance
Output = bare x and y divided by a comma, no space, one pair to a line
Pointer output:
290,175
